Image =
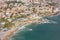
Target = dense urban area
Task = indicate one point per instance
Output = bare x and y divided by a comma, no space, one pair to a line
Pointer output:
14,13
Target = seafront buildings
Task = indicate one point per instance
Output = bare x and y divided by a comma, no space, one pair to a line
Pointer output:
12,10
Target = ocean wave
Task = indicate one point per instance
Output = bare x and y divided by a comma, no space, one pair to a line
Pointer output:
53,22
19,30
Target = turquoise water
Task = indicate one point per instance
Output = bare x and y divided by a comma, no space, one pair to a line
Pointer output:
47,31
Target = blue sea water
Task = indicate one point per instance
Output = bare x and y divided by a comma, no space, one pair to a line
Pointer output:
47,31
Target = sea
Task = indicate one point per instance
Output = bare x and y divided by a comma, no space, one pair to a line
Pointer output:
45,31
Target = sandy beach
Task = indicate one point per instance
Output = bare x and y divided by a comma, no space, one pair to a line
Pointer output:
14,29
13,11
19,26
10,33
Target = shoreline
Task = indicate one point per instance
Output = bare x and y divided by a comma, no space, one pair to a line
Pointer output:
12,32
18,25
21,25
20,28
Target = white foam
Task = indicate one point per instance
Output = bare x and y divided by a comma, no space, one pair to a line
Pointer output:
30,29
